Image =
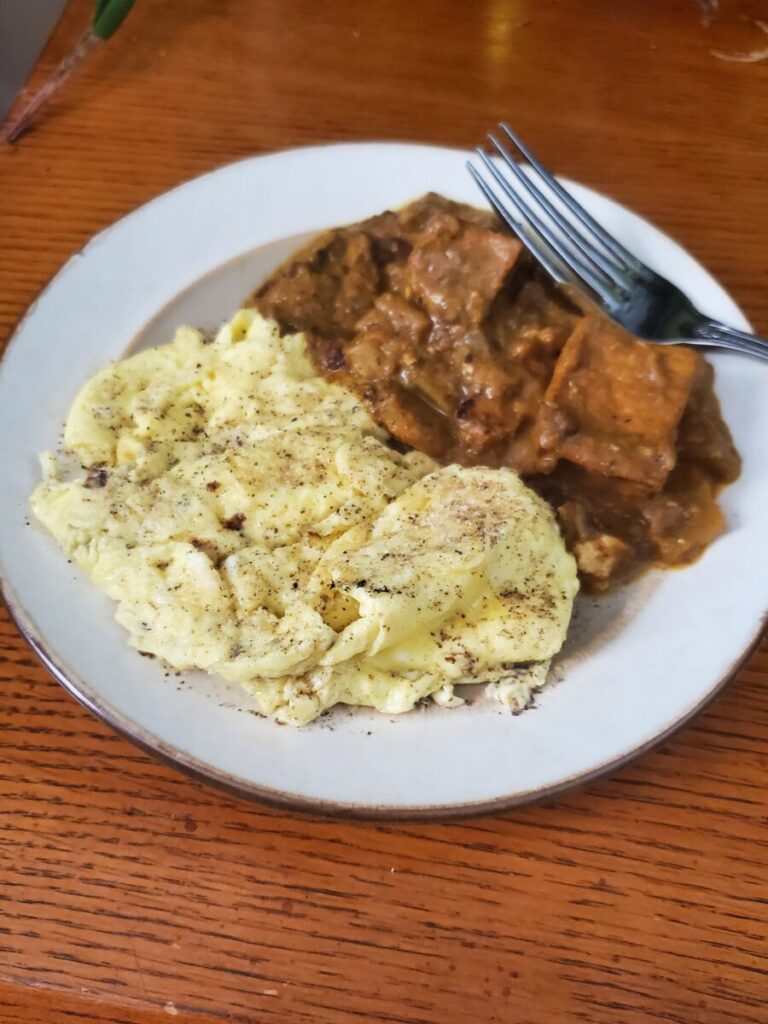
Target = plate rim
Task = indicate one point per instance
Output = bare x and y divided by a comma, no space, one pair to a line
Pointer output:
235,785
329,809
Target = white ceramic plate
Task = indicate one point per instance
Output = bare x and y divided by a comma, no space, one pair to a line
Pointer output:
636,666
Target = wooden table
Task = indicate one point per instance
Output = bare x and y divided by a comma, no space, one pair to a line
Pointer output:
131,894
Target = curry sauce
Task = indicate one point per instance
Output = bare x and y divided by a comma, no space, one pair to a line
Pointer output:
462,348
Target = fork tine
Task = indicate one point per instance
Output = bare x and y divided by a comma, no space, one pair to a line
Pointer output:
609,265
597,282
575,207
536,245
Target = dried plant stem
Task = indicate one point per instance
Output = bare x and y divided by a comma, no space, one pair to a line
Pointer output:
69,64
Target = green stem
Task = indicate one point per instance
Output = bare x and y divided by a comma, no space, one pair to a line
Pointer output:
109,16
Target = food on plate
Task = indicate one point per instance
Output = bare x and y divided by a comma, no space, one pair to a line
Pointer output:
462,348
252,520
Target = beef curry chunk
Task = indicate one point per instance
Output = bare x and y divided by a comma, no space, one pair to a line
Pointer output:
615,528
455,270
614,403
703,438
463,348
326,288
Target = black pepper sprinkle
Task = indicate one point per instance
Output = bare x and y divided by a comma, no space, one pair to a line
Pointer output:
97,476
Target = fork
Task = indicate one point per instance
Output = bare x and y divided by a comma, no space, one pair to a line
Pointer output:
577,251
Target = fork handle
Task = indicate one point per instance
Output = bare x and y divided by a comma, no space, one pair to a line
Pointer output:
711,332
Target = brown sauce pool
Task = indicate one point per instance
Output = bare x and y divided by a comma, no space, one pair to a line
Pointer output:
461,347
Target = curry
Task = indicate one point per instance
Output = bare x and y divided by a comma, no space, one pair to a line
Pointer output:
462,348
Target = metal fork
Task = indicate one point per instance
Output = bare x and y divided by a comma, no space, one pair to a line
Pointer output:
579,252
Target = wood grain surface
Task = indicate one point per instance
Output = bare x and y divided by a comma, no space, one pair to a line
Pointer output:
130,894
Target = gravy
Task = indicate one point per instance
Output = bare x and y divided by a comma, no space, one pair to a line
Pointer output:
462,347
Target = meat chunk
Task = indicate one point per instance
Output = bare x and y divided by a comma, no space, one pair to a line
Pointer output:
395,327
703,439
389,345
602,522
685,518
412,421
494,403
599,555
614,403
456,269
414,217
326,288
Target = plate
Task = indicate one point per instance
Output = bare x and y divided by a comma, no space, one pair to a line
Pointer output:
637,665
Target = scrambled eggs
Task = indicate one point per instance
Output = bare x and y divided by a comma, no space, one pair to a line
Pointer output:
249,520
